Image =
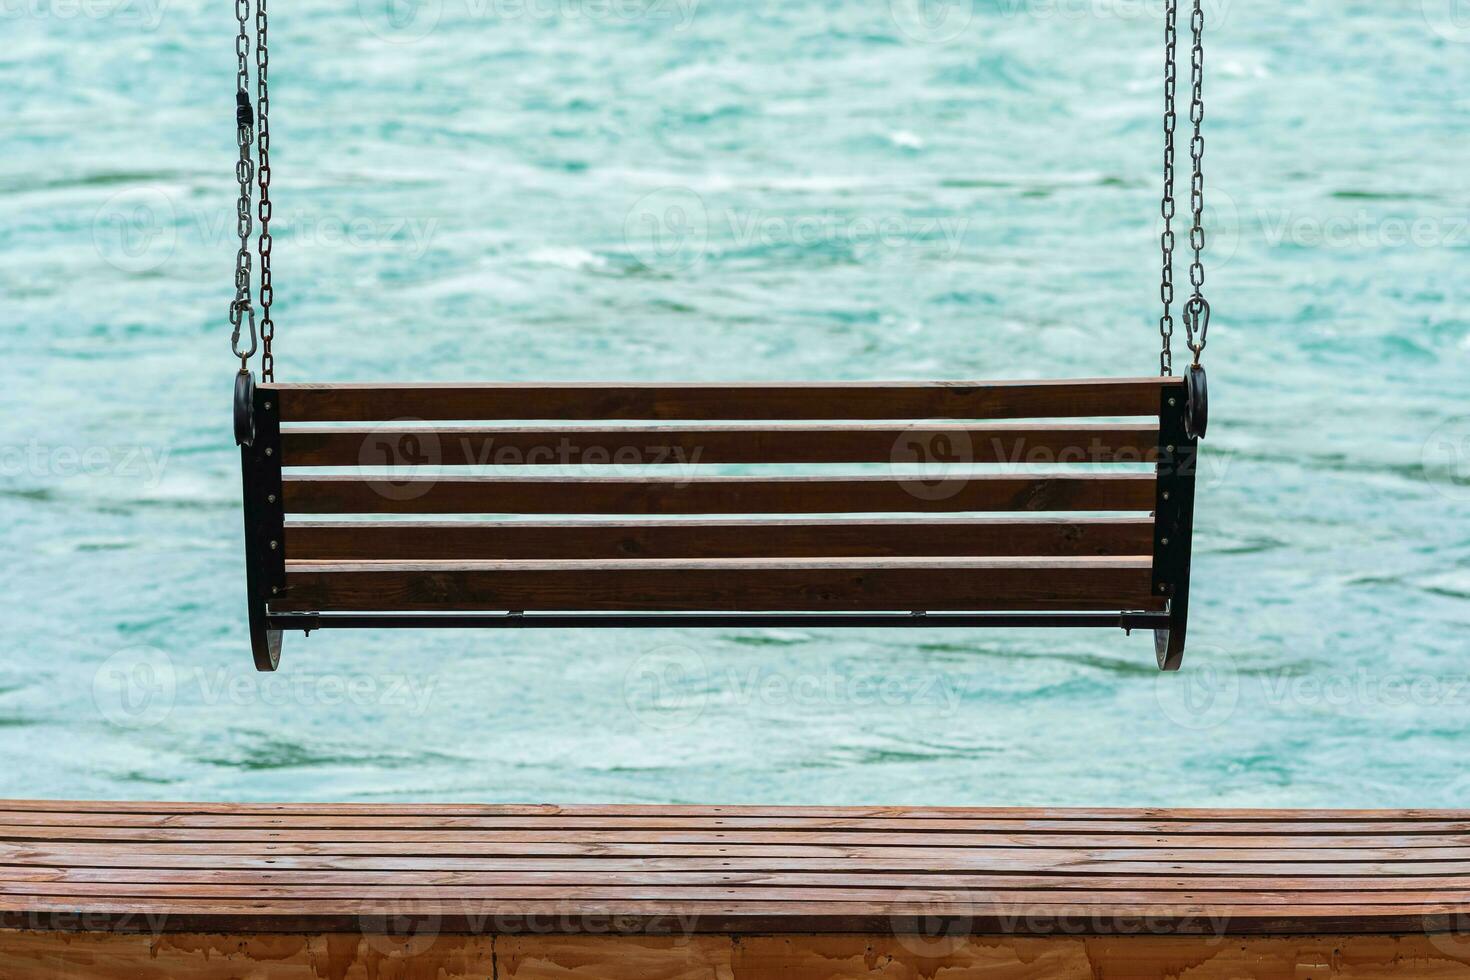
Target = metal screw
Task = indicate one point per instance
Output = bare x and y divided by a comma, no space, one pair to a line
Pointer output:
1171,403
274,545
1163,541
1163,587
270,498
269,451
1170,448
275,590
1166,495
268,404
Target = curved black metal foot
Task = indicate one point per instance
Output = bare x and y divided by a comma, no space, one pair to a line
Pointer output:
1169,647
265,645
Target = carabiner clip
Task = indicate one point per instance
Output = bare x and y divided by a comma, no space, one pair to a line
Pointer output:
1196,324
239,310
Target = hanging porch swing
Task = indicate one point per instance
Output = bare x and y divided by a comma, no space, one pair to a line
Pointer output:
1103,546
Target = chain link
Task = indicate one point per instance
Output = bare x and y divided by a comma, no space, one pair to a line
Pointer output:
241,309
263,173
1167,206
1197,311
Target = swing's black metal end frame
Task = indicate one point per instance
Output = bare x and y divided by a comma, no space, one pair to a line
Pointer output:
1183,416
258,432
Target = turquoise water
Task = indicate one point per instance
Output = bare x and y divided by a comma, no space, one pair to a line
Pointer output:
854,191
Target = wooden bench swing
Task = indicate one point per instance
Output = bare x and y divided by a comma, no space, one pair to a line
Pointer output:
1096,545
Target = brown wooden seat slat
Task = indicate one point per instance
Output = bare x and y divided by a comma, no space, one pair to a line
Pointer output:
728,538
759,585
389,401
89,868
715,495
686,446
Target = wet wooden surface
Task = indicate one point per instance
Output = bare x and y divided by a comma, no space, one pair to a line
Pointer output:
95,956
641,870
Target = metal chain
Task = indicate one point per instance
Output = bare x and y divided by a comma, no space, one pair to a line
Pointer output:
263,172
241,309
1197,310
1167,206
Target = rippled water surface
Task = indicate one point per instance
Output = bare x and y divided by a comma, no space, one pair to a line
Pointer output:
462,191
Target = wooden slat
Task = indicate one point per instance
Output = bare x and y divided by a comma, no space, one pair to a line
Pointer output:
616,919
684,446
390,817
967,832
773,538
69,866
856,896
760,585
395,857
1330,890
757,844
714,495
1125,819
389,401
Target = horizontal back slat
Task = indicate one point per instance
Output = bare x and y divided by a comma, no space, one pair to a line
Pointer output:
715,495
715,402
669,445
795,538
840,585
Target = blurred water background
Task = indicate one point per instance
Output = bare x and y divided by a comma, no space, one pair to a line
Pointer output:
882,190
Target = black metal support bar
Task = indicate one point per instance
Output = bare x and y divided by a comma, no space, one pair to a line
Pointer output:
1174,517
316,621
265,543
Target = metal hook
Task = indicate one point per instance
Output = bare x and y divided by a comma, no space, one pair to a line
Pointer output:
1196,324
238,312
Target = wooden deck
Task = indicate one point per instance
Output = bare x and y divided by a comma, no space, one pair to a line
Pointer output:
343,891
